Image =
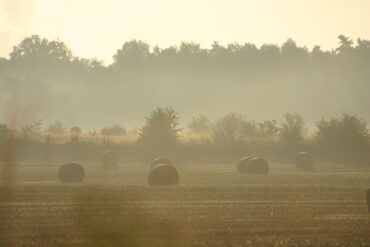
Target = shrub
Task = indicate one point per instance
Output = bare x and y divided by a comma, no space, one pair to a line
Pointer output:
292,131
345,138
228,130
75,130
113,130
161,128
55,128
200,125
32,128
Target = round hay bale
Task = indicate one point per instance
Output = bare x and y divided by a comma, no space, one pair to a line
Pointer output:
163,174
304,161
242,164
71,173
257,166
160,160
368,200
110,160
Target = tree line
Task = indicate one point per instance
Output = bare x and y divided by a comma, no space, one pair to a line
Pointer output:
342,139
49,71
42,57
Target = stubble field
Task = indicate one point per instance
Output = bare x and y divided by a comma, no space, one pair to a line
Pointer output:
212,206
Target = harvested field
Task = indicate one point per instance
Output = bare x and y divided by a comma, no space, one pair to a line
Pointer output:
212,206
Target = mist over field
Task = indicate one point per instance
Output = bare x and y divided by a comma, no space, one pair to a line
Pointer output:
184,123
42,79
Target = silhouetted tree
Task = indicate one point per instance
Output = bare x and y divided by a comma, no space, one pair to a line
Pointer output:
161,128
32,128
190,48
200,124
56,127
37,48
228,129
292,131
346,138
345,44
268,128
292,53
132,52
115,129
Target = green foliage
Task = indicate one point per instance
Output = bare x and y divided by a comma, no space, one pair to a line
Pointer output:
161,127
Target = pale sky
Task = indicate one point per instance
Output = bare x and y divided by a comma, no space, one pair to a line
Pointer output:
98,28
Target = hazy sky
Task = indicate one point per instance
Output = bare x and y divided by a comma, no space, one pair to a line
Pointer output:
98,28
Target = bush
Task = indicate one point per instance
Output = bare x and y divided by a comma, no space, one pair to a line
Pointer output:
344,139
55,128
228,130
113,130
292,131
200,125
161,128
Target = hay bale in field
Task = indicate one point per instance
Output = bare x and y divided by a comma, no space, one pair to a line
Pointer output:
71,173
304,161
160,160
368,200
163,174
257,166
110,160
242,164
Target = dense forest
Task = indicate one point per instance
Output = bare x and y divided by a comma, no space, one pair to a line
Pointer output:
42,79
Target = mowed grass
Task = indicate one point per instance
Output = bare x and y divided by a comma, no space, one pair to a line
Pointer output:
212,206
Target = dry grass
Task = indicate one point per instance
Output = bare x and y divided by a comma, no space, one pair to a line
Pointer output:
212,206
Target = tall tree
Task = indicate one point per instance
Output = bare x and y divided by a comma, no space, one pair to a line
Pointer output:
37,48
161,128
133,51
345,44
